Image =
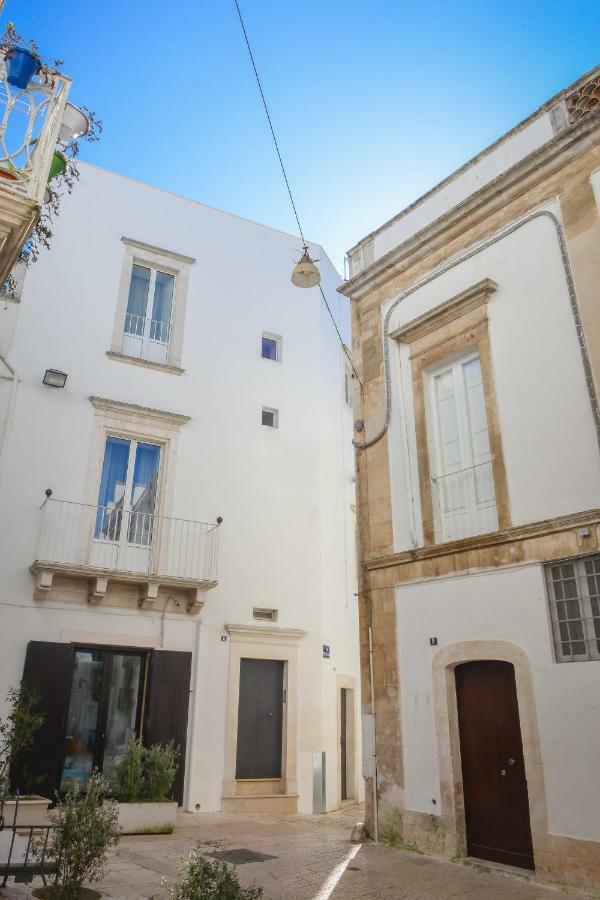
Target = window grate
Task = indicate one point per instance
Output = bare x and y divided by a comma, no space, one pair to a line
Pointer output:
574,593
266,615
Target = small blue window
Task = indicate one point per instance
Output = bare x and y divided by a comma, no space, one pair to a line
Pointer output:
270,348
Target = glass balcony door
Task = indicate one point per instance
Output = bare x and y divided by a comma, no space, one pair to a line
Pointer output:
147,328
125,517
104,711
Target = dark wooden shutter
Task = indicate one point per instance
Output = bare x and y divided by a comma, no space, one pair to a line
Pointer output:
167,703
48,671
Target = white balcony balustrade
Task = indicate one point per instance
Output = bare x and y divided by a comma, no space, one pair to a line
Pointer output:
464,503
146,338
29,130
30,122
109,543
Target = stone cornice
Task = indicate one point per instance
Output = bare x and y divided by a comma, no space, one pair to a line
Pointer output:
481,204
145,363
132,409
479,541
264,634
149,248
470,299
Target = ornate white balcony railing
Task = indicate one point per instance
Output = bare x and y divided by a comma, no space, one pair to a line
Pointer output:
465,502
30,120
114,540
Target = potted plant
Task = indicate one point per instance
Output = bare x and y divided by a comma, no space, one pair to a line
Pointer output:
200,878
17,735
85,828
141,780
22,65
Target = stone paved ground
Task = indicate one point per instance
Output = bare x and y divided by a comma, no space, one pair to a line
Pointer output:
309,853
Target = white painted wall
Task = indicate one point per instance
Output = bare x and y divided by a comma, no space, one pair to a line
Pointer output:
505,605
285,494
548,436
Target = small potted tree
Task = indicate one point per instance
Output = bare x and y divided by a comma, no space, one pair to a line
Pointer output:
141,780
85,828
18,730
200,878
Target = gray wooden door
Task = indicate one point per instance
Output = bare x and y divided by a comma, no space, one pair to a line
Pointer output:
260,719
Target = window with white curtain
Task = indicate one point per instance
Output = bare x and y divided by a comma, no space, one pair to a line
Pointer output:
147,326
461,463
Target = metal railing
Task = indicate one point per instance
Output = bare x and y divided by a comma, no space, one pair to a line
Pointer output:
23,847
465,502
30,120
130,541
147,329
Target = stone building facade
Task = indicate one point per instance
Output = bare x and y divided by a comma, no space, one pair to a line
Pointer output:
477,345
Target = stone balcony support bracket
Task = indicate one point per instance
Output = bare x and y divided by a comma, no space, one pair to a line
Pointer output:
99,584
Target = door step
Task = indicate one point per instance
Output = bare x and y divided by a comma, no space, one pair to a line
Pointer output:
261,803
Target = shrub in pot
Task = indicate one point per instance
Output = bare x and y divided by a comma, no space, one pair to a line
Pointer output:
141,779
18,730
201,878
85,830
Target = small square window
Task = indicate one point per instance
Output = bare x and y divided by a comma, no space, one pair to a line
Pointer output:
271,347
270,417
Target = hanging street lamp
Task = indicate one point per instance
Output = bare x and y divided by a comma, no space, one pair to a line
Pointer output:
305,274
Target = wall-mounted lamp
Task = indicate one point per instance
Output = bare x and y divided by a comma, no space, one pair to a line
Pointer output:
54,378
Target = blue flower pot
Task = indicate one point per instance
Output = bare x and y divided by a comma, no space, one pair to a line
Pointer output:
22,66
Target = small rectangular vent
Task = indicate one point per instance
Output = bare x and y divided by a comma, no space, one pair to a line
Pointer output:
267,615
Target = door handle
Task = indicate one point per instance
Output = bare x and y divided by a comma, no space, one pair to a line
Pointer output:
269,715
512,762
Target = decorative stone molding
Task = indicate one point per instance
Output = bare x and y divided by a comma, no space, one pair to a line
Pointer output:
148,594
264,634
43,583
145,363
160,251
584,100
98,588
468,300
157,416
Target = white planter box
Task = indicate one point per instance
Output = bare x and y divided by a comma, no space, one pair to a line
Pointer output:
147,818
32,811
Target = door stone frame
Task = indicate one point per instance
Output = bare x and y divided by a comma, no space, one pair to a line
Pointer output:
448,739
256,642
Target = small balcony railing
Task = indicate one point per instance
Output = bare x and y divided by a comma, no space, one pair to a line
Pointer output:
465,502
30,121
115,540
149,329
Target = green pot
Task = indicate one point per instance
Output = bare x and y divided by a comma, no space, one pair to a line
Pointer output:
58,166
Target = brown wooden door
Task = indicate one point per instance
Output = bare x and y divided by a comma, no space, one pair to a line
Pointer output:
260,719
494,783
167,703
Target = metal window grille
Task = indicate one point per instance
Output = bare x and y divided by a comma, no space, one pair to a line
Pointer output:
268,615
574,593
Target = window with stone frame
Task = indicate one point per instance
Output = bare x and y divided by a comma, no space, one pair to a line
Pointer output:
574,598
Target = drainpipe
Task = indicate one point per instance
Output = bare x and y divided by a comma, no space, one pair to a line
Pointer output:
375,810
195,697
10,412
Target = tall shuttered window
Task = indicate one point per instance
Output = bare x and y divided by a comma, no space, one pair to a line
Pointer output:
461,468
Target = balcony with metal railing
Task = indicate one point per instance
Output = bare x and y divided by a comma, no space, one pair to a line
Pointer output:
464,502
107,544
30,123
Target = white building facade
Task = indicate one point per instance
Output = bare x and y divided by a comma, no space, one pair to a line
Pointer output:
178,519
476,338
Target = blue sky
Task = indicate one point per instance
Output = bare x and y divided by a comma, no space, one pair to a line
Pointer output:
373,103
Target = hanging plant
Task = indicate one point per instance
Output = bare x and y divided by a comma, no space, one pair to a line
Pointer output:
65,177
